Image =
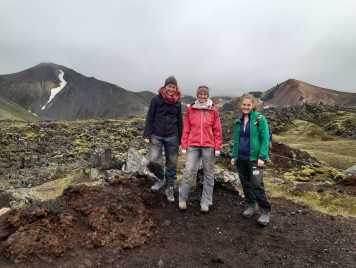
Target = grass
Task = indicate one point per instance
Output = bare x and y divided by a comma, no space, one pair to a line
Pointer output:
12,111
4,114
336,204
51,190
334,151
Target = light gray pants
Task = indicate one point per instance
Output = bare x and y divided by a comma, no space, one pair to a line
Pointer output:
194,156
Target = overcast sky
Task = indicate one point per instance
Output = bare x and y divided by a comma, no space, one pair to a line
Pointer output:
231,45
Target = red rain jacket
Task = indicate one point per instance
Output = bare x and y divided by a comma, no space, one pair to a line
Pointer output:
201,127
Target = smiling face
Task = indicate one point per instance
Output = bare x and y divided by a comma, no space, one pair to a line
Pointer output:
171,89
246,105
202,94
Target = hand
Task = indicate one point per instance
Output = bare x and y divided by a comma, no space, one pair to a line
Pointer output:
184,151
260,163
147,140
233,162
217,153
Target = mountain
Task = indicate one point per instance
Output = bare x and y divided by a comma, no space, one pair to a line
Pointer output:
218,100
256,94
294,92
187,99
56,92
13,111
232,106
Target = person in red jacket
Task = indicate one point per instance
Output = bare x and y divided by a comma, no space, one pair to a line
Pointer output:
201,141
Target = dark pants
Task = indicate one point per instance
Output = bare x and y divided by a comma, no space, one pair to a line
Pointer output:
251,178
170,147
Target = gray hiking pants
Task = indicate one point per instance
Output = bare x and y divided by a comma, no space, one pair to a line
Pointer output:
194,156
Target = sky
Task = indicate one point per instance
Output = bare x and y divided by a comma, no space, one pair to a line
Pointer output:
233,46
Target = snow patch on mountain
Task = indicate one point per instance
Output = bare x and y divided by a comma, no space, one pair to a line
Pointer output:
55,91
32,113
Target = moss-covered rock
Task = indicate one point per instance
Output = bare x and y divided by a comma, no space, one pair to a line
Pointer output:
315,174
308,171
29,150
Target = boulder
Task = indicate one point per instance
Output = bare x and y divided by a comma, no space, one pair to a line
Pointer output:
102,159
351,171
350,175
4,210
136,163
227,179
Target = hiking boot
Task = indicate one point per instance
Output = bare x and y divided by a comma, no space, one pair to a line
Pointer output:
204,208
158,185
170,193
250,211
263,220
182,205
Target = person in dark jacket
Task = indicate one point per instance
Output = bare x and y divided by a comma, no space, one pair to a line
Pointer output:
251,140
163,131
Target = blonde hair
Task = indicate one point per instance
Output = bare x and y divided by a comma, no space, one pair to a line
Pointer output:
251,98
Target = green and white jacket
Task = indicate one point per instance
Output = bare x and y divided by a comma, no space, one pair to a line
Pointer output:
259,137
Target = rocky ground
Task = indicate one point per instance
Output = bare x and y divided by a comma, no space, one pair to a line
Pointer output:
85,217
335,120
33,153
90,232
108,218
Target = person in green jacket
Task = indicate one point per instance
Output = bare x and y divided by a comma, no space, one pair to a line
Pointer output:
249,154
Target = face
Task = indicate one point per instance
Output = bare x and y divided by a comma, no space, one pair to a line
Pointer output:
246,106
171,89
203,96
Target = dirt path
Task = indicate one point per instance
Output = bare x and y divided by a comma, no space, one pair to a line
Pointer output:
297,237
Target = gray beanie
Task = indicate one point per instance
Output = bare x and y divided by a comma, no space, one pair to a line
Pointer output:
171,80
203,88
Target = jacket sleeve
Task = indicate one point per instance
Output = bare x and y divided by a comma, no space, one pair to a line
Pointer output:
150,119
186,130
217,131
264,138
180,122
234,143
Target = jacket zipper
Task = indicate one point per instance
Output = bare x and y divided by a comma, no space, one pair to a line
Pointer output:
251,130
201,128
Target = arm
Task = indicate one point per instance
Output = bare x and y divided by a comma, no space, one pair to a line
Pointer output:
234,143
150,119
264,138
180,123
186,130
217,131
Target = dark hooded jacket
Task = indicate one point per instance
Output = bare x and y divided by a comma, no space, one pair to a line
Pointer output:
163,119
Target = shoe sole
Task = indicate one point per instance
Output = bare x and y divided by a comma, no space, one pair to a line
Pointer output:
248,216
204,210
183,207
262,224
154,190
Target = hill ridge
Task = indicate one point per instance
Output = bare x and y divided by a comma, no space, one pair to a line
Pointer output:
82,97
296,92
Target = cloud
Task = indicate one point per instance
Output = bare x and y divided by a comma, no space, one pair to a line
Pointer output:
233,46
